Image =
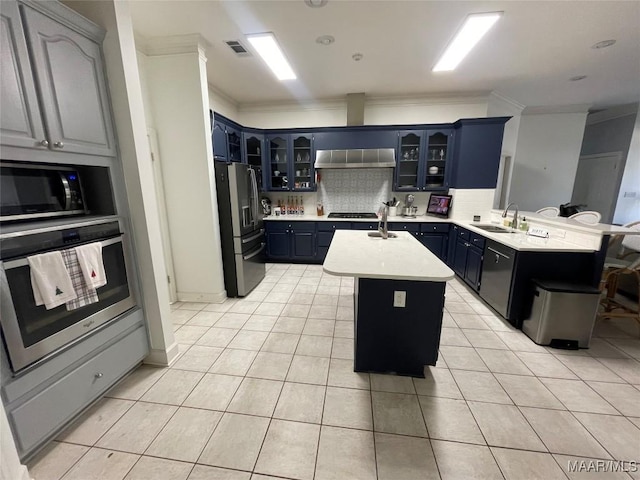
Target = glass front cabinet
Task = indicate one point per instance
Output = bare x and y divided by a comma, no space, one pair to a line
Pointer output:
290,162
438,152
408,162
423,159
253,150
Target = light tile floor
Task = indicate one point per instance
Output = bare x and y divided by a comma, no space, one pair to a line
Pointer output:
265,388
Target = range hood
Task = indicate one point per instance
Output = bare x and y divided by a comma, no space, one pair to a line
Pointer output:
356,158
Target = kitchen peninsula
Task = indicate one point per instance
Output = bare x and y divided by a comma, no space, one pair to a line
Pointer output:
399,298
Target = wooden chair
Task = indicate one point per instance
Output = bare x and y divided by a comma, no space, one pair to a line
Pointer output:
626,262
550,212
590,217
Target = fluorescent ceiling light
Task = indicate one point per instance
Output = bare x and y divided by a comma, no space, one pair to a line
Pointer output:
473,29
268,48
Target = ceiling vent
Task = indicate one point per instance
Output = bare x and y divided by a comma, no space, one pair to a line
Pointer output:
238,48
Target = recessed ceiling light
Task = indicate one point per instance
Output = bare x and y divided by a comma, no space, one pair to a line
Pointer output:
473,29
603,44
325,40
268,48
577,78
357,56
316,3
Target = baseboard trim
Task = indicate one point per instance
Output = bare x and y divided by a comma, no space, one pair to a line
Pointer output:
163,358
202,297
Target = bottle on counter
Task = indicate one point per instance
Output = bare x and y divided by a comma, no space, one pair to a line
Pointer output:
301,206
296,210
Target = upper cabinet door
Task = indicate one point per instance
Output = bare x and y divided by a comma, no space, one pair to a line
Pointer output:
70,74
253,144
408,162
20,121
439,145
278,166
234,145
303,158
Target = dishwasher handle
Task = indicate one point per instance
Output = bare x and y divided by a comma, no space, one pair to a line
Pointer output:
499,254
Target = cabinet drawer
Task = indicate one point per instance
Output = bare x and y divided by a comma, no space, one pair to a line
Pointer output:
476,240
405,227
306,227
464,234
277,226
434,228
42,415
333,226
364,226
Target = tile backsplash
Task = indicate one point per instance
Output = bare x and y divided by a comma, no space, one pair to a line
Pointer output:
355,190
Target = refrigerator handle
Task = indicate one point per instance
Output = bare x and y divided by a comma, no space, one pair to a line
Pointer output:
254,188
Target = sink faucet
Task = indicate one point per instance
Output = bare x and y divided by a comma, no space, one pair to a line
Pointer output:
514,223
383,228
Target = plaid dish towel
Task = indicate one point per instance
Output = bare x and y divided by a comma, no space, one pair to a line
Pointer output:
86,296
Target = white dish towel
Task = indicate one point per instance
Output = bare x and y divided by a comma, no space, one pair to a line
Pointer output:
91,264
50,280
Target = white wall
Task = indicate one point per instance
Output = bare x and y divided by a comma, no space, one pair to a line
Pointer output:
548,149
628,205
131,129
179,95
222,104
377,111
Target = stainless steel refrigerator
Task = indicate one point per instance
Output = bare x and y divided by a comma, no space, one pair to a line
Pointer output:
241,227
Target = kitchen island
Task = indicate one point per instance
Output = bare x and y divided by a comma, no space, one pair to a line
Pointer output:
399,299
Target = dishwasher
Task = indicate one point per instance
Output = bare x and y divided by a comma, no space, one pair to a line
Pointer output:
497,271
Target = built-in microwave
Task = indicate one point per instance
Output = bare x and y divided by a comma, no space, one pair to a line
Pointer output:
32,191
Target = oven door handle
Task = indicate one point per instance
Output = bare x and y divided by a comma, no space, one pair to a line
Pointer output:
22,261
251,255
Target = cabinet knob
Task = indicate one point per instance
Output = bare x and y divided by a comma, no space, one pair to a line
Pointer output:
99,375
44,143
434,228
58,145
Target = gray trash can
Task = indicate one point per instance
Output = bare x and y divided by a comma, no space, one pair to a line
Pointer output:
562,315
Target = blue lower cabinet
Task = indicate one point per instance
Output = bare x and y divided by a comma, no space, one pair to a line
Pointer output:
435,236
467,256
291,241
364,226
473,267
325,231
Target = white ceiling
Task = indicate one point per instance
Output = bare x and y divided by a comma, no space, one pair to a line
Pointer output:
528,56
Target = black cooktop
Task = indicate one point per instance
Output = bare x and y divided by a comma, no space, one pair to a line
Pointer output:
353,215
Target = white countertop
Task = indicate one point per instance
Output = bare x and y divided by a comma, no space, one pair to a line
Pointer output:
354,253
518,241
569,224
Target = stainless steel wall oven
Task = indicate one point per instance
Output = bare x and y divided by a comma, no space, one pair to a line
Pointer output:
31,332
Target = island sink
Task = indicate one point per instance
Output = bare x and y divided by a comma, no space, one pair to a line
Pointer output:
379,235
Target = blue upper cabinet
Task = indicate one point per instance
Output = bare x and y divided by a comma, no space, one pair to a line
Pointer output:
227,139
219,140
253,155
476,157
438,154
410,157
346,138
277,162
302,158
289,162
423,160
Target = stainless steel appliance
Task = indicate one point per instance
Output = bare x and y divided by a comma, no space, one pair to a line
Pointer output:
409,210
32,191
241,227
352,215
497,270
31,332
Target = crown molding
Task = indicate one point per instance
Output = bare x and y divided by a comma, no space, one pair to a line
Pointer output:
172,45
431,99
515,106
548,109
612,113
306,105
223,95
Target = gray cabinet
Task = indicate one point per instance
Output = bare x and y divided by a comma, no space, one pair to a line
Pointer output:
68,70
20,121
